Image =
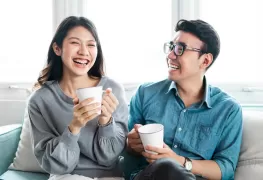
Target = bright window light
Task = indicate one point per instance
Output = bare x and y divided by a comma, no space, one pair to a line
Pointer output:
132,34
240,27
26,31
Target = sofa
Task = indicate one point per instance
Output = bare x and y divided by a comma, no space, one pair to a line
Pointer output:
250,165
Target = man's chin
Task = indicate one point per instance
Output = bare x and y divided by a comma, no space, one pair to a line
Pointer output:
172,78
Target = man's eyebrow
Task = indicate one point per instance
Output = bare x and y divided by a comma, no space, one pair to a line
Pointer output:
181,43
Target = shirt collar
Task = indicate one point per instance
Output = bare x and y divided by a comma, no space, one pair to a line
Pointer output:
206,98
172,86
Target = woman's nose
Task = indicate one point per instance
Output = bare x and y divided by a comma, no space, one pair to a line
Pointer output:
83,50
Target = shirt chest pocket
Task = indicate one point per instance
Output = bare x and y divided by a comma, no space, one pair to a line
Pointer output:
153,113
205,139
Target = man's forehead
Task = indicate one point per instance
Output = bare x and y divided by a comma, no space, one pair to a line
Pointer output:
187,38
176,35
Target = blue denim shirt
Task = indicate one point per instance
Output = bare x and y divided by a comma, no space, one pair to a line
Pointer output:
208,130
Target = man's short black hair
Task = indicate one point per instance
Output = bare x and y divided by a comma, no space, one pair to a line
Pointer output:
205,32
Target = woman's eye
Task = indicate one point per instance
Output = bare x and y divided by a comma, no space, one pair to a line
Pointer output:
91,45
74,42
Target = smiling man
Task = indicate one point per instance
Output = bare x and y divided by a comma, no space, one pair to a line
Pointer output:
202,124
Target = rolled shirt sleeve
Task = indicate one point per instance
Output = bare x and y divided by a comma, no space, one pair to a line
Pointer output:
227,152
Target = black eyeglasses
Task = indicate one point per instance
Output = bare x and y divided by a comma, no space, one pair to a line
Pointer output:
178,48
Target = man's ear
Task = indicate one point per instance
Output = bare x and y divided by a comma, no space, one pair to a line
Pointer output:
208,59
56,49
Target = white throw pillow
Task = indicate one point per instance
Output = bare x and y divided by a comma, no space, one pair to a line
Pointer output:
252,142
250,164
25,159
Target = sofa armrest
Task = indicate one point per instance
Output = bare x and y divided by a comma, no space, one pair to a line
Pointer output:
9,139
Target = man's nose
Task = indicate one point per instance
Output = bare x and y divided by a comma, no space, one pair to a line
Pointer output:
172,55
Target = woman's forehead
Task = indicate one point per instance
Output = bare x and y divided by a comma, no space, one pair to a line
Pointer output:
80,33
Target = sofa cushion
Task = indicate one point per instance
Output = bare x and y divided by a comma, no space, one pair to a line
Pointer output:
250,171
20,175
250,164
25,159
9,137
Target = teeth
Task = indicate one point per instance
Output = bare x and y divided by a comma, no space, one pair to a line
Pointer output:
173,66
80,61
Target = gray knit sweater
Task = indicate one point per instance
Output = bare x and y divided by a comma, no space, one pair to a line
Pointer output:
94,152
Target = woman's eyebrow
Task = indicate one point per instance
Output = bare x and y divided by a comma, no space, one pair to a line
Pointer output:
90,40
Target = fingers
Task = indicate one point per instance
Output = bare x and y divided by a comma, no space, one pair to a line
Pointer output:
156,149
89,115
111,100
133,134
150,160
75,101
109,108
137,147
105,111
151,156
137,126
87,108
165,145
110,103
108,90
135,141
83,103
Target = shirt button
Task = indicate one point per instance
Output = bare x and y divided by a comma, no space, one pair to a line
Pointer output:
175,146
179,129
184,110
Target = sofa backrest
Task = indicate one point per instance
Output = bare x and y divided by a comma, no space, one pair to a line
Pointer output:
250,165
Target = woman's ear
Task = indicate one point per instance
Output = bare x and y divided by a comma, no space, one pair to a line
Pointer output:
56,49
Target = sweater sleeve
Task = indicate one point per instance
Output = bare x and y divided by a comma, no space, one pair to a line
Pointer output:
110,140
56,154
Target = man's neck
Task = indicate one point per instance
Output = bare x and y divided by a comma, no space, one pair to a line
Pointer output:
191,91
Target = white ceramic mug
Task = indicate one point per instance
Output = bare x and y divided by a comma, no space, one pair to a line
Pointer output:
152,134
90,92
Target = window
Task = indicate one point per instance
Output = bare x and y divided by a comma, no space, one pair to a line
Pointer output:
26,31
132,34
239,25
238,69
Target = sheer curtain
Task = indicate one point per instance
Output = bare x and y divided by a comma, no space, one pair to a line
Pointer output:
240,27
26,30
132,34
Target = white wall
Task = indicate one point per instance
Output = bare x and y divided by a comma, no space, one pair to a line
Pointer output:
146,53
12,101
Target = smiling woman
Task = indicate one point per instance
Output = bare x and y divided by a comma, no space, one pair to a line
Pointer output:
78,132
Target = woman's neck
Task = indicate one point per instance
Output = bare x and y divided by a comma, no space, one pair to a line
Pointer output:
69,85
